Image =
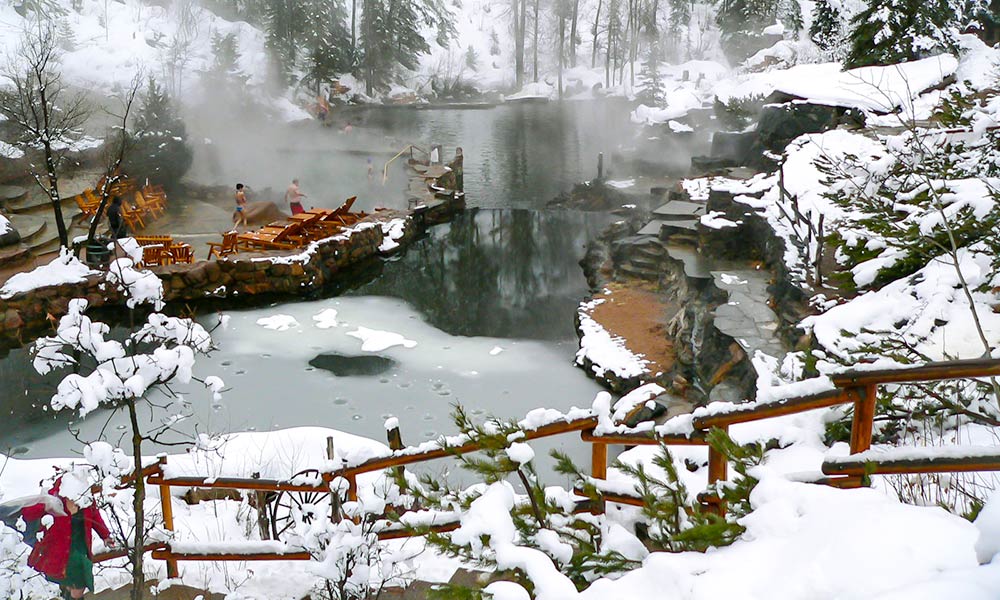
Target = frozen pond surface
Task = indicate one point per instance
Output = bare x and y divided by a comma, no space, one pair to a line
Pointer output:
479,312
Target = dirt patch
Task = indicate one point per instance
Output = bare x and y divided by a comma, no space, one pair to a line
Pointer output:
639,317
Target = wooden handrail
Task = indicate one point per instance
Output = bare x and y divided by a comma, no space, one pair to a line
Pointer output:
866,465
237,483
767,410
932,371
408,457
643,438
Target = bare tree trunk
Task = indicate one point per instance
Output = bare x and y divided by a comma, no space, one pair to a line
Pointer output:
572,33
50,168
593,47
562,53
138,508
518,47
354,20
534,43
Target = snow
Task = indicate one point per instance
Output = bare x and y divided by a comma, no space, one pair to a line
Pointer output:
10,151
373,340
715,220
65,268
326,318
605,351
621,184
520,453
871,89
393,231
281,322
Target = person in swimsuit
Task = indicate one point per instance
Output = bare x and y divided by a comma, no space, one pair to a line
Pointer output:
240,216
292,195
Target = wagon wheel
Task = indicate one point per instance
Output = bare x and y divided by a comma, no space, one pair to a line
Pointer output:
288,508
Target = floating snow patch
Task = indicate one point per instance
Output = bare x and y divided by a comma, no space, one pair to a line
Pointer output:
278,322
373,340
64,269
731,279
326,318
622,183
496,350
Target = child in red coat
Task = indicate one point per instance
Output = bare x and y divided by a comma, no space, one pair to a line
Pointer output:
63,554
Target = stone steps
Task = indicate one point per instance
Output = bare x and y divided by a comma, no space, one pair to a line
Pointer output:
29,226
747,318
635,272
12,194
14,255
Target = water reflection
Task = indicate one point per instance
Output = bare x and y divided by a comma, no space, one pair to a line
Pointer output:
497,273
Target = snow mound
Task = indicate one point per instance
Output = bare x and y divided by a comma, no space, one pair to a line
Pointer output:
278,322
64,269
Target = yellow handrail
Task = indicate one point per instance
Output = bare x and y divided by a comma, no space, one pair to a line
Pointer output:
410,147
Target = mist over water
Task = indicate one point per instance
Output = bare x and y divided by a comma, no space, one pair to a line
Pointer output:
516,155
489,298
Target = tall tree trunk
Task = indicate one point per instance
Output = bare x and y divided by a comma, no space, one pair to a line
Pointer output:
572,33
50,167
138,508
518,47
597,26
354,20
562,52
534,44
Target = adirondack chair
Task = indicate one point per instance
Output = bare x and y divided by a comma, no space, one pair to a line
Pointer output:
228,246
181,253
153,255
87,207
148,240
152,206
132,217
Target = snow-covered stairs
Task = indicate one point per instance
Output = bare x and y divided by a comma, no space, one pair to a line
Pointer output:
747,318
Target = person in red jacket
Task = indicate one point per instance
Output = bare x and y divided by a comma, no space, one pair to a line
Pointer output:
63,553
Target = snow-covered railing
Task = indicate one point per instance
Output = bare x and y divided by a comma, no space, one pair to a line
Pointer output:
599,426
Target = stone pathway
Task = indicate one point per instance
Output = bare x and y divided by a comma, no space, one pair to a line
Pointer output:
747,318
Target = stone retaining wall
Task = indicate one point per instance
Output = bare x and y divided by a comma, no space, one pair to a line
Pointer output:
241,275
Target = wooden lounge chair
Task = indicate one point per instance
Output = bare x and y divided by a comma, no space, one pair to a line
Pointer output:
288,237
88,208
229,246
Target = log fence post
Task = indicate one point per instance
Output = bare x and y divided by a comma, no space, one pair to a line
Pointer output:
599,467
167,508
336,511
864,416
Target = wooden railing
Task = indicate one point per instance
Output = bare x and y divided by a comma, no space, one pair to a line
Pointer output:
857,387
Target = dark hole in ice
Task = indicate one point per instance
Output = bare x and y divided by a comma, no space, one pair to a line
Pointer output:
346,366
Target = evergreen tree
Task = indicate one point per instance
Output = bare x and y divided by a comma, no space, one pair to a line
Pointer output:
392,36
679,27
826,30
225,78
651,88
160,150
790,15
283,19
893,31
742,22
326,41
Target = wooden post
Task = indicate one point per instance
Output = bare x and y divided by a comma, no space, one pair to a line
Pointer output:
864,417
718,467
260,503
352,488
167,508
336,512
599,467
600,166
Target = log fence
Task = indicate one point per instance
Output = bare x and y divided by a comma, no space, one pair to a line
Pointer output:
852,387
